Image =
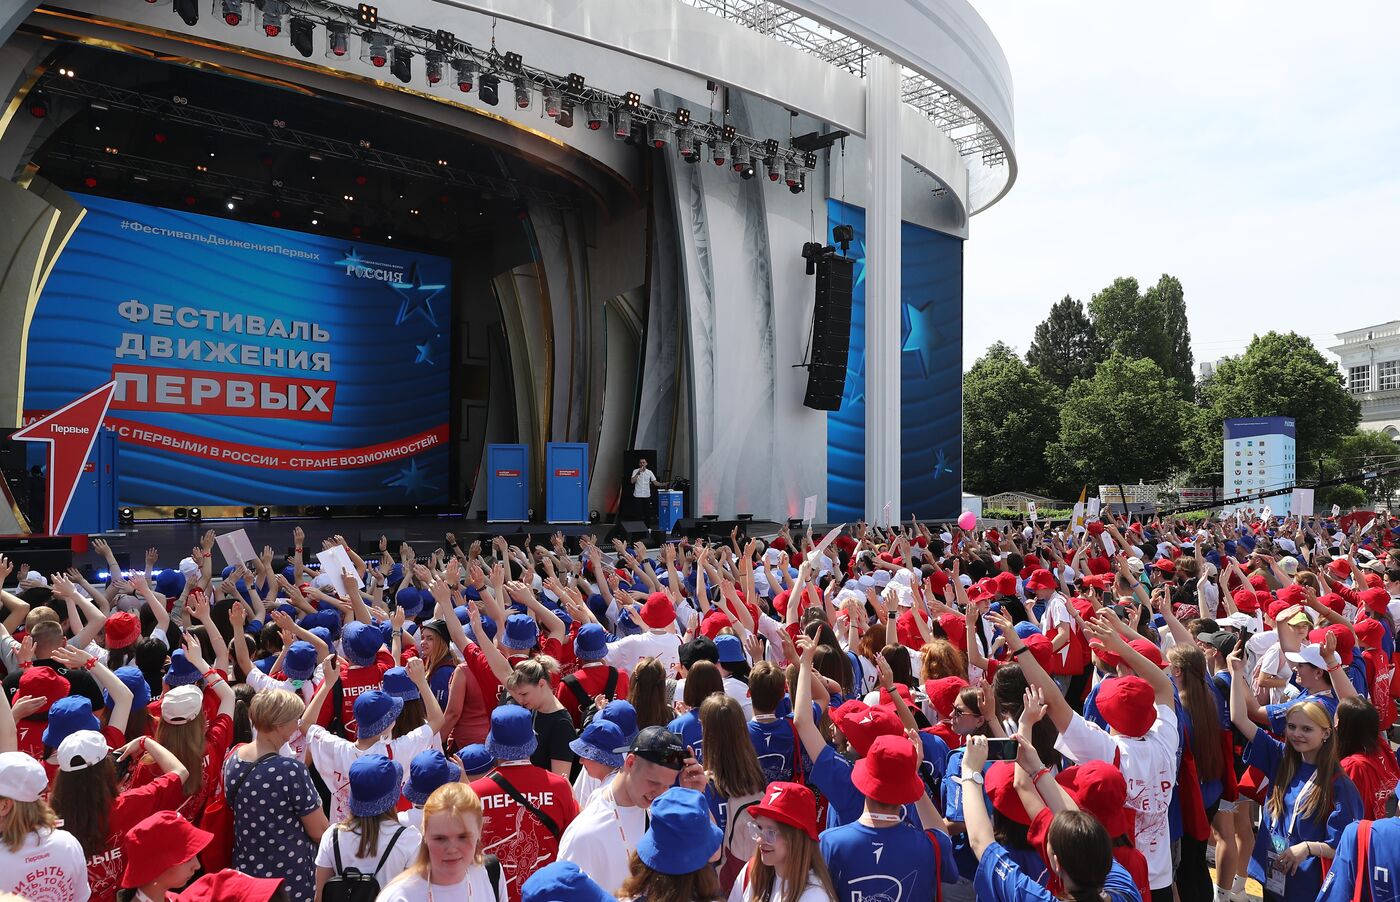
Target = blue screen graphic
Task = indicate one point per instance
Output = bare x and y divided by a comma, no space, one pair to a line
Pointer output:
930,379
254,365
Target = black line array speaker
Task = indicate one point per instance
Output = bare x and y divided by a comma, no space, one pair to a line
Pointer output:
831,334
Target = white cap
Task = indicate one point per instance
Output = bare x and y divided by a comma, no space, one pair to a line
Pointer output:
181,704
865,580
1286,544
21,777
190,569
771,556
81,749
1308,654
1237,621
32,579
324,582
882,578
947,537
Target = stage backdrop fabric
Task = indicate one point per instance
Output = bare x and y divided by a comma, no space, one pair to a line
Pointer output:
254,365
931,331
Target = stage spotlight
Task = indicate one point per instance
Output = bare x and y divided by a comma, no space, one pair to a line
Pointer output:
324,511
367,15
445,41
490,90
466,74
551,102
691,152
791,173
273,12
90,182
402,65
187,10
685,137
801,184
38,105
632,100
337,39
522,92
302,31
566,114
432,66
810,161
597,114
125,516
622,126
660,133
264,513
513,62
248,512
746,172
717,152
231,10
574,85
774,171
740,155
727,133
683,116
181,513
374,48
196,515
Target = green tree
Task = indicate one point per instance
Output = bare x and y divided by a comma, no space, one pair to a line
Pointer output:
1346,496
1279,375
1360,451
1168,297
1010,413
1066,346
1124,424
1130,323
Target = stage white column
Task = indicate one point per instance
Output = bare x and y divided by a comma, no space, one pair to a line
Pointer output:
882,289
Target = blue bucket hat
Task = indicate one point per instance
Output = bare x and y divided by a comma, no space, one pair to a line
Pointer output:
170,582
681,837
67,716
476,759
329,620
621,712
410,599
300,661
464,616
181,672
488,626
320,632
521,632
398,684
375,785
360,642
731,650
591,643
224,574
562,881
375,712
395,575
564,616
512,736
428,770
600,741
133,679
1026,628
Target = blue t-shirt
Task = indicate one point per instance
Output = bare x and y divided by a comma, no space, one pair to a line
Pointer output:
1001,879
774,742
1356,672
831,775
1278,714
687,727
1266,753
1382,864
889,863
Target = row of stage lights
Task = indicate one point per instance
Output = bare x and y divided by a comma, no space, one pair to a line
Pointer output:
482,72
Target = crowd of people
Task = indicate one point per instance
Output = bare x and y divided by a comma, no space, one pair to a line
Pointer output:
1123,709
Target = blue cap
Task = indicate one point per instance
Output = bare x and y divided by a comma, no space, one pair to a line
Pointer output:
224,574
428,770
300,661
591,643
512,736
320,632
360,643
181,672
170,582
621,712
464,616
329,620
564,616
133,679
488,626
562,881
67,716
681,838
375,785
731,650
398,684
600,741
395,575
521,632
1026,628
375,712
475,759
410,599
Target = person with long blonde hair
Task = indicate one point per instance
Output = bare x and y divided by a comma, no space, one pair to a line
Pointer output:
449,865
736,780
787,863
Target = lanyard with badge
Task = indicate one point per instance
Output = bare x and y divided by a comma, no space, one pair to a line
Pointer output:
1279,842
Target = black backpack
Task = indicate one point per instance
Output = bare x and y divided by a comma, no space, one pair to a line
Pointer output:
350,884
586,709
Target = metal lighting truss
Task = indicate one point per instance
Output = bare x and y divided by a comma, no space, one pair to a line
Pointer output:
955,118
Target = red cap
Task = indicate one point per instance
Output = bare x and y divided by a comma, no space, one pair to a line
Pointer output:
123,628
789,803
955,626
1101,790
862,724
943,692
1095,527
907,631
715,620
1258,582
780,601
1166,565
1346,641
886,701
44,682
1334,602
889,772
1340,568
1149,651
1006,583
1099,566
1377,600
159,843
1002,793
1128,704
1041,649
1040,579
779,542
229,885
1370,632
1246,601
1373,580
1109,657
1292,594
658,612
937,581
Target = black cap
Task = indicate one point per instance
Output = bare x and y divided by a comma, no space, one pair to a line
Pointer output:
1222,640
659,746
439,626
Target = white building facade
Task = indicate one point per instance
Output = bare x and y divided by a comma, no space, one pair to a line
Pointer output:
1370,362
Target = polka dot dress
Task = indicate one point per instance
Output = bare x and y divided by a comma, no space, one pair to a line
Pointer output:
268,838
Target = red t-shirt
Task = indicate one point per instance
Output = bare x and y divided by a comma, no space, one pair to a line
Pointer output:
512,833
216,743
1375,775
355,681
164,793
593,678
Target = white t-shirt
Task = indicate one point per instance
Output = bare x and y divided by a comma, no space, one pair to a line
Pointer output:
476,886
665,647
586,786
601,839
1056,613
49,867
333,756
738,690
641,483
413,817
400,856
813,892
1149,767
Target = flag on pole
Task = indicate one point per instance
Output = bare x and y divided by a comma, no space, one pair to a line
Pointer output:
1078,514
